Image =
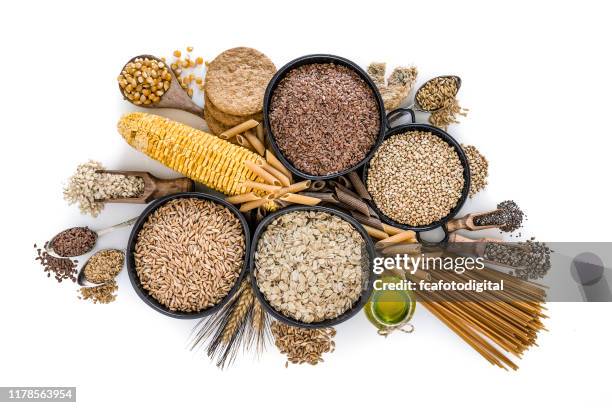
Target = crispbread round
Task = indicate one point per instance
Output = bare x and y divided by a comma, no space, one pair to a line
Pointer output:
213,125
237,79
227,119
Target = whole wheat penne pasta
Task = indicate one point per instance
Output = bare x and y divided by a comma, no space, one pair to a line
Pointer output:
402,249
295,187
255,142
407,236
241,128
242,198
279,175
392,230
259,170
261,134
274,162
260,186
317,185
253,204
299,199
242,141
374,233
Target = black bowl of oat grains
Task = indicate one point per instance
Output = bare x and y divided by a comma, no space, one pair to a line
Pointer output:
324,116
311,267
419,177
187,254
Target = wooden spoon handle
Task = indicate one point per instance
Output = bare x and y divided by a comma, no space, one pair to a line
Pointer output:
457,224
171,186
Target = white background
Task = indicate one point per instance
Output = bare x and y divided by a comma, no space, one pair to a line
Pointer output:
536,78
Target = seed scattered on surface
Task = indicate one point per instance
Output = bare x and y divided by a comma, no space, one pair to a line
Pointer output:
508,215
189,254
74,241
86,185
61,268
324,118
479,169
528,260
303,345
415,178
141,78
310,265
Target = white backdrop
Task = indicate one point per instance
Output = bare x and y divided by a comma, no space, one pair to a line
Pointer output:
536,81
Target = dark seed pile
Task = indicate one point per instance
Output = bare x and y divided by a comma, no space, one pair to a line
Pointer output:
61,268
529,259
324,118
74,241
508,215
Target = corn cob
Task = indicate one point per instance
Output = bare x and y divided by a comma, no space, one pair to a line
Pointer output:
200,156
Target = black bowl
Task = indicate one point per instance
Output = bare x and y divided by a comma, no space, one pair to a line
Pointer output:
131,266
320,59
368,270
448,139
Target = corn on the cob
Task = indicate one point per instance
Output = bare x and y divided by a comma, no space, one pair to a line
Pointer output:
200,156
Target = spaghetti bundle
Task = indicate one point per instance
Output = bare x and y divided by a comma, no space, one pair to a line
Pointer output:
495,324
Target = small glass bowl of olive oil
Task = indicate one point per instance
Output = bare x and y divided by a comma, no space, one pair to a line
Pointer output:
390,310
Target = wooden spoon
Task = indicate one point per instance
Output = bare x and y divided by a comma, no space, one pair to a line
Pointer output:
174,98
467,223
153,187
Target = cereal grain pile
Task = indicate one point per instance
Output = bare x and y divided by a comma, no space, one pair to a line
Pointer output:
189,254
303,345
415,178
324,118
308,265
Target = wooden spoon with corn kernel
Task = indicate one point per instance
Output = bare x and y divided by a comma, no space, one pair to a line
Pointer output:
174,97
153,187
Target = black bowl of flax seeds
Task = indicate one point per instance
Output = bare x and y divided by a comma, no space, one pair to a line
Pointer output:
324,116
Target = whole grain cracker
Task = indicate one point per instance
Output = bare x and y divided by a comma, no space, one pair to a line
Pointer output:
214,125
225,118
237,79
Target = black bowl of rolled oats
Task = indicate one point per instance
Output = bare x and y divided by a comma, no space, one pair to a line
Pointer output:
311,266
187,254
324,116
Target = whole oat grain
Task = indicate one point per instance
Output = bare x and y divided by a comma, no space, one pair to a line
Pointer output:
308,265
415,178
303,345
189,254
237,79
324,118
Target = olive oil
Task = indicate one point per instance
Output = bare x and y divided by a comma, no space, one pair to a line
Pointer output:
390,310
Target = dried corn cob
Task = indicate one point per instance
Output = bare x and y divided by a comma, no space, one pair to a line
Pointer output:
200,156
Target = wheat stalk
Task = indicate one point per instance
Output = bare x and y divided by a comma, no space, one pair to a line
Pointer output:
238,314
